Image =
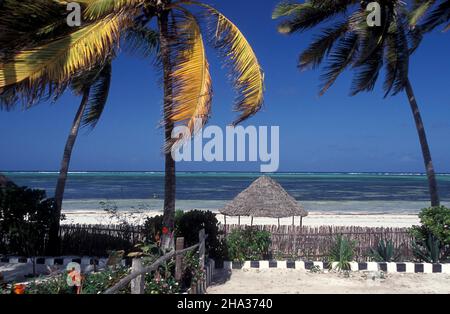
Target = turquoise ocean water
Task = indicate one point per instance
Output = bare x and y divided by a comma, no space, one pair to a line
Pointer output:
319,192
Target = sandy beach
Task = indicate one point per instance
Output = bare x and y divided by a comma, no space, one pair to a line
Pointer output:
313,219
280,281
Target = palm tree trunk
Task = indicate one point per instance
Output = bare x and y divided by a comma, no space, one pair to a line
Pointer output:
53,246
169,179
434,195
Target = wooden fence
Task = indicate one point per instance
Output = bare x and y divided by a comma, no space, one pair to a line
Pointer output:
97,240
136,278
314,243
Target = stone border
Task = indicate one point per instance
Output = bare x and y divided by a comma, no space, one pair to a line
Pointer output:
50,261
426,268
406,267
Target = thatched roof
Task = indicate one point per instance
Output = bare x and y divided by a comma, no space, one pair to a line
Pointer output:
264,198
4,181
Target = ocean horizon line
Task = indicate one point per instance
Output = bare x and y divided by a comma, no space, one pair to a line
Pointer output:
412,173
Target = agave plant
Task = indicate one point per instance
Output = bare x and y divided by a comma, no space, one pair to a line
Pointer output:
348,42
428,251
384,252
342,253
41,57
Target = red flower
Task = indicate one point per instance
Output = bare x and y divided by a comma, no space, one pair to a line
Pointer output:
19,289
165,230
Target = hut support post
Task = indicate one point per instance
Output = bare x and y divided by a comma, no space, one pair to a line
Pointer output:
278,222
239,220
301,222
225,223
251,224
295,239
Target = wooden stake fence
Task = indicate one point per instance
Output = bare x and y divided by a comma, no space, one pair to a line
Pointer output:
136,277
315,242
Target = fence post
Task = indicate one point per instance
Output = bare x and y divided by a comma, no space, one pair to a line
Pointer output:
201,250
137,284
179,259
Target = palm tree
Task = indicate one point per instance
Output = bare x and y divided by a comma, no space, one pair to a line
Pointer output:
431,14
94,88
33,71
350,43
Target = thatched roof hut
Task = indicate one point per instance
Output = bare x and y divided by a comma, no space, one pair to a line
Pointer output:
4,181
264,198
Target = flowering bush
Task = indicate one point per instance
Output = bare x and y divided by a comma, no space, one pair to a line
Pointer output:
93,283
193,272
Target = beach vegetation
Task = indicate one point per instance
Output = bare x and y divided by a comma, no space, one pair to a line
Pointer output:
436,221
25,216
432,238
384,252
190,224
348,42
187,225
430,251
193,272
342,253
249,244
92,283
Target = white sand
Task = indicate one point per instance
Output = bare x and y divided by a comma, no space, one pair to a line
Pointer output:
314,219
281,281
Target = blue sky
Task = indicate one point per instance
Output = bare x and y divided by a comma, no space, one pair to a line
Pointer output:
335,132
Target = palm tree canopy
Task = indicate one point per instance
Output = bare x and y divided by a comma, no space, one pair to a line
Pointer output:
46,65
348,42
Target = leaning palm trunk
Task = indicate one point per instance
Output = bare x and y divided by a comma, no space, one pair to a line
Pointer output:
169,179
424,145
53,247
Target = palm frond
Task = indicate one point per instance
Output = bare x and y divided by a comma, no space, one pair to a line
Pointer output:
309,14
340,58
99,8
141,40
27,22
98,96
192,91
286,9
367,72
54,63
418,11
318,49
246,71
403,52
440,15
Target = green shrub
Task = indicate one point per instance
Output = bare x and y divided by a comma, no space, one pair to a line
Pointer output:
188,225
434,220
90,243
432,237
93,283
96,283
342,253
384,252
162,281
248,244
25,216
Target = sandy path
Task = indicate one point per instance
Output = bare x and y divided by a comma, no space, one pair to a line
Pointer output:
284,281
